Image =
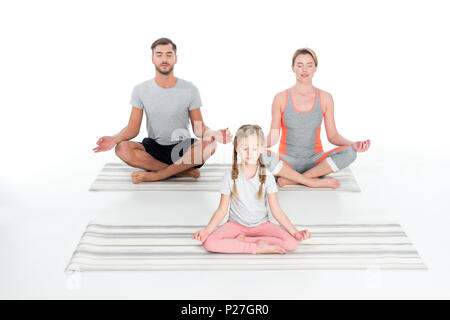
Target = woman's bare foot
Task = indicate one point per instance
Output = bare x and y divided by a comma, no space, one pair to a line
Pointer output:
262,247
284,182
193,173
317,182
325,183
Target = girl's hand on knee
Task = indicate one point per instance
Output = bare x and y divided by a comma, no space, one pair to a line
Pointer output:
361,146
201,235
302,235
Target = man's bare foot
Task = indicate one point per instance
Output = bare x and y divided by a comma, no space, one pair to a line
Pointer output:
326,183
141,176
193,173
262,247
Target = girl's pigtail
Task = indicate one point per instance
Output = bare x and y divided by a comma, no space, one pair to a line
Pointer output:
235,169
262,175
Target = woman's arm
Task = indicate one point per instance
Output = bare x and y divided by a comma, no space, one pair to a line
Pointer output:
330,126
275,125
333,135
216,219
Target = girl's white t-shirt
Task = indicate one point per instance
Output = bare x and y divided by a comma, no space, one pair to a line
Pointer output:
246,209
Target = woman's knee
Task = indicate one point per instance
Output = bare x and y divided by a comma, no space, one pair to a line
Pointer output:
344,157
352,153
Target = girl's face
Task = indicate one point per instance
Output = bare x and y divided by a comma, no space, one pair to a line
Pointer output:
249,149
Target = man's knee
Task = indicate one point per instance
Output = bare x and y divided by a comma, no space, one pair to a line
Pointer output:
209,147
123,149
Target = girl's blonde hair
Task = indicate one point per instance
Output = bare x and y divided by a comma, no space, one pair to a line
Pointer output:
246,131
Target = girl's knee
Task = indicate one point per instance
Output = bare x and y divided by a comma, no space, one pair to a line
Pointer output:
291,244
208,244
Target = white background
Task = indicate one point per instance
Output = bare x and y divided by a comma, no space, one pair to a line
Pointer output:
67,69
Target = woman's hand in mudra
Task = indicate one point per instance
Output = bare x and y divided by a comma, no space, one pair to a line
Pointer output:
361,146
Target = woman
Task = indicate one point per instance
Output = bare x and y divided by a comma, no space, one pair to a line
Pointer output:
297,112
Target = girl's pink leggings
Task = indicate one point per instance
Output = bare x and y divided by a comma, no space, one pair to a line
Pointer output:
223,239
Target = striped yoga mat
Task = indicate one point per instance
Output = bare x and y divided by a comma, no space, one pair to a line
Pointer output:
107,247
117,177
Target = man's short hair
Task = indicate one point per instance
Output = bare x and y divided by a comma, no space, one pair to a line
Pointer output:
164,41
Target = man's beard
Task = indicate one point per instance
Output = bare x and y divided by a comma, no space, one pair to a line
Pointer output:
164,72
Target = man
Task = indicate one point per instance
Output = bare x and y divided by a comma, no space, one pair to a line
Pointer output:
169,103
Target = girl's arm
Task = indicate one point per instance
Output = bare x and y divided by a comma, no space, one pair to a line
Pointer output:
216,219
220,213
283,220
279,214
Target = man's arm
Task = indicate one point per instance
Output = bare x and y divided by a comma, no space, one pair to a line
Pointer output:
106,143
199,127
133,127
201,130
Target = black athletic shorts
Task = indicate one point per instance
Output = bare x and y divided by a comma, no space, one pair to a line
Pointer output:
170,153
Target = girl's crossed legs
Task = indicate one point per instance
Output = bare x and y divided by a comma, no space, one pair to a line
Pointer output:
232,237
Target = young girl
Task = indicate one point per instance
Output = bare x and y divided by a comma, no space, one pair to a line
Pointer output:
246,189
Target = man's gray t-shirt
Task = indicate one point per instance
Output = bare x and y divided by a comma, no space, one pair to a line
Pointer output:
166,109
246,209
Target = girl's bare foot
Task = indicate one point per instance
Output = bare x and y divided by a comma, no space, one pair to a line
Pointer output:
262,247
193,172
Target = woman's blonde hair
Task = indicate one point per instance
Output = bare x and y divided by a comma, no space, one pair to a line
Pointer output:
305,51
246,131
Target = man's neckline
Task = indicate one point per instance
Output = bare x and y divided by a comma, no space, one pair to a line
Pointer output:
176,83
